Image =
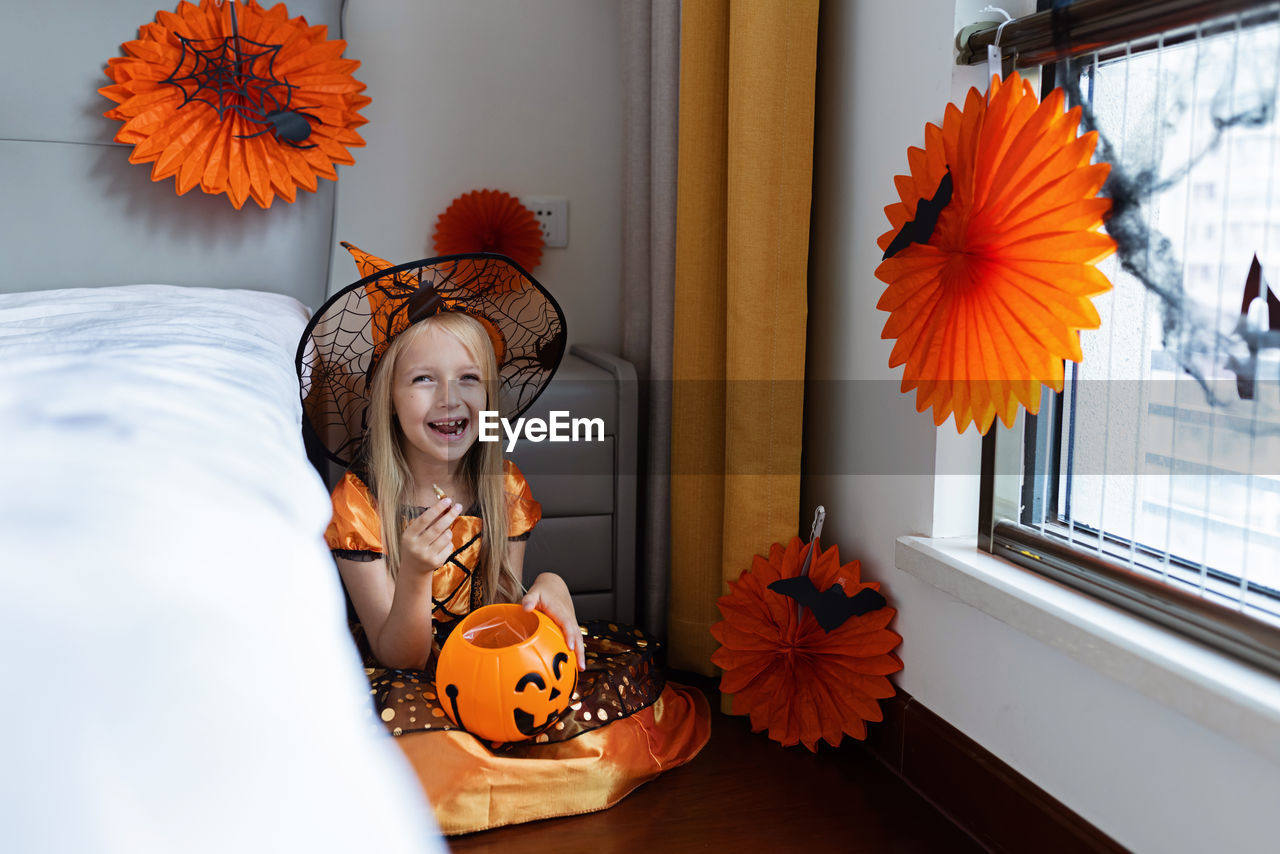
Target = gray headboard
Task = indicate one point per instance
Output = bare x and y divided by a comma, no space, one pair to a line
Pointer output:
74,212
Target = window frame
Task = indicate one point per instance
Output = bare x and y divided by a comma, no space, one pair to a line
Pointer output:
1015,460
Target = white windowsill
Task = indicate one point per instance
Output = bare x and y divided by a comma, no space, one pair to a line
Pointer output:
1219,692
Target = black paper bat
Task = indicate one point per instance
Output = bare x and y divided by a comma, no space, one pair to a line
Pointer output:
920,229
831,607
1246,368
1253,289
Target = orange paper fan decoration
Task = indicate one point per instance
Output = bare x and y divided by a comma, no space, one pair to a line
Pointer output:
490,221
236,99
790,675
988,308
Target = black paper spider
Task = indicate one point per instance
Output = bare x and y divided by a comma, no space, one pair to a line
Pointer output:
221,75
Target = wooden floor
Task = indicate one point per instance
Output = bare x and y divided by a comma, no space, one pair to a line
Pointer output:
744,793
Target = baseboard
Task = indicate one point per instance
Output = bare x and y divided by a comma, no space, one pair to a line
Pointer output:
995,804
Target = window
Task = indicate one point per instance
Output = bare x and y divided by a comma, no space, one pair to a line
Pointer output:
1153,479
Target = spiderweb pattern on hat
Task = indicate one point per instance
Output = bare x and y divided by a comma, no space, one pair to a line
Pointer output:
347,337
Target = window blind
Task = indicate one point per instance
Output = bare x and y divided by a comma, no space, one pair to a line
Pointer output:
1153,480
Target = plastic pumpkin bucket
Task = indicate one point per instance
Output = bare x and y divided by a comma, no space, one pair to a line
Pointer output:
505,674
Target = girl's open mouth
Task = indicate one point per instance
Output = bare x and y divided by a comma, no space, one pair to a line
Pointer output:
450,428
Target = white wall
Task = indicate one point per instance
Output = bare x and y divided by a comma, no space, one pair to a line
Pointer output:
1150,777
491,94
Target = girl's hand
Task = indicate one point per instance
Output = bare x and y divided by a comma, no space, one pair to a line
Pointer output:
550,595
427,541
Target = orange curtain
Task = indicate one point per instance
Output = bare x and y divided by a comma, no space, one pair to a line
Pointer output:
744,182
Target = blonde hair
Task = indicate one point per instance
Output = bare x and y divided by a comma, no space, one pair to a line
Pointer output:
481,469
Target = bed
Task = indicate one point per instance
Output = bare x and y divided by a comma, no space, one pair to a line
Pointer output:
177,673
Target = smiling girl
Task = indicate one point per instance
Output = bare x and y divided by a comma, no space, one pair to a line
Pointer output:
450,338
425,404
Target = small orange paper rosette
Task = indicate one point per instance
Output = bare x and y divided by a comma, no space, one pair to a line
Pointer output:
987,310
253,109
490,221
791,676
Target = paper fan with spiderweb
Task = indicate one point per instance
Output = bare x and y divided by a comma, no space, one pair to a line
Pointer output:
990,256
490,221
802,677
236,99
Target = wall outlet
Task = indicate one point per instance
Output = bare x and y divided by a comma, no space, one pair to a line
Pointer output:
552,213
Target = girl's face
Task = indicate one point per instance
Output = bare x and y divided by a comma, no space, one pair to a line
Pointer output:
437,396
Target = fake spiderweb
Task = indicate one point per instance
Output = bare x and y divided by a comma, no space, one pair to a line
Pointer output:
236,99
990,256
346,338
222,76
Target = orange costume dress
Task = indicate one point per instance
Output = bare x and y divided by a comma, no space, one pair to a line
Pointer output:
625,726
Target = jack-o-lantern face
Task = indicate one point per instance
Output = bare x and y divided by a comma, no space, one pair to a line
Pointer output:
505,674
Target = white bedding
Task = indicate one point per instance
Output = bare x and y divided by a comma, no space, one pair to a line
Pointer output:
176,670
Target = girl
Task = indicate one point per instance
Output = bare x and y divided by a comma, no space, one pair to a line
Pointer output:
416,352
434,381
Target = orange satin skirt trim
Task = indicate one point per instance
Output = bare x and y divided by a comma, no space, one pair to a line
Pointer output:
473,789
